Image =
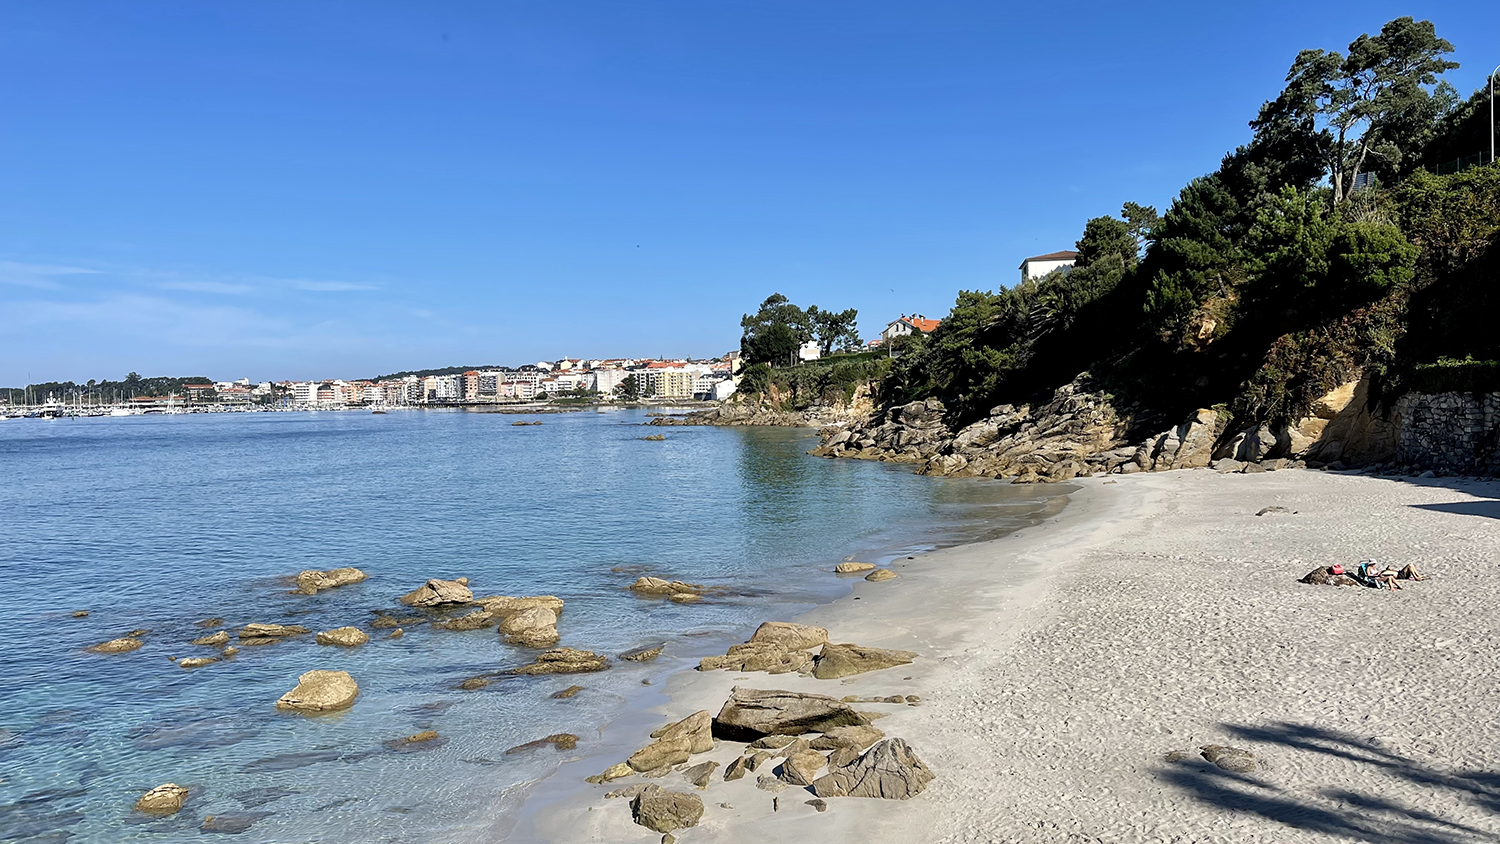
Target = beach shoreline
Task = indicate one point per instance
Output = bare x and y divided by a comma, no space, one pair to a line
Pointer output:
1155,613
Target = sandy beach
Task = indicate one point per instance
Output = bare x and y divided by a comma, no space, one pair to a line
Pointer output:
1059,665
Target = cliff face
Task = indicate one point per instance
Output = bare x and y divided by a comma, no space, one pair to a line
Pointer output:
771,409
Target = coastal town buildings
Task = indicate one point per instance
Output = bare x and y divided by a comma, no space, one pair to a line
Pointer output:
908,325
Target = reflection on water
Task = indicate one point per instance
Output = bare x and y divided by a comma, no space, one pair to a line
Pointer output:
159,522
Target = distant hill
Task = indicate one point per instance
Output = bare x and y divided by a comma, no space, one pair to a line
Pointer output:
446,370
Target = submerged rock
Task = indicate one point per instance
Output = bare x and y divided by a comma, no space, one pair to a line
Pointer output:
425,740
208,622
889,770
559,741
438,592
750,714
564,661
344,637
232,823
845,660
643,654
657,809
684,597
312,582
80,613
197,661
321,691
271,631
165,799
117,646
566,693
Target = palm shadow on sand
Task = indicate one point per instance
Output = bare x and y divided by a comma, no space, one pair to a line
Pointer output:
1337,810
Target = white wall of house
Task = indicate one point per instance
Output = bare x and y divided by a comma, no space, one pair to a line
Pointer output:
1037,269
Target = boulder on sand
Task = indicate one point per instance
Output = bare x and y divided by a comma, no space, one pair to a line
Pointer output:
889,769
321,691
564,661
657,809
802,767
435,593
750,714
344,637
758,656
165,799
271,631
878,575
662,753
533,627
845,660
1229,758
697,728
853,568
117,646
311,582
793,637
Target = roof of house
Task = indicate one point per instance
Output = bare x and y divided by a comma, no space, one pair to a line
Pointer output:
1065,255
923,325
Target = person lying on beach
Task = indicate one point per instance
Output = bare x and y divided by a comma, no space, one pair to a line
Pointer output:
1370,574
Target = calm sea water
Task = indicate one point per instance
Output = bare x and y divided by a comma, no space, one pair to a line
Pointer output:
157,522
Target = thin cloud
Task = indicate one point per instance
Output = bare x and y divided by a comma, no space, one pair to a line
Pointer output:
41,276
331,286
224,288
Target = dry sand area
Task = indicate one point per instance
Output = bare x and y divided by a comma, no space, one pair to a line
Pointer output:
1060,665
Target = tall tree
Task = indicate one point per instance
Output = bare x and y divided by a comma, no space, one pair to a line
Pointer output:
774,332
834,329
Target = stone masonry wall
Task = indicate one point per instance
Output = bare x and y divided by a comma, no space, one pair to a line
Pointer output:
1452,433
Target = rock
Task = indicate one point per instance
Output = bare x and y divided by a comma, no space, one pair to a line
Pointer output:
197,661
533,627
771,784
793,637
613,772
1229,758
878,575
658,586
232,823
858,738
165,799
1226,465
81,614
137,633
475,683
737,769
475,620
438,592
1324,576
566,693
772,742
643,654
697,728
662,753
426,737
321,691
216,640
889,770
663,811
750,714
311,582
229,652
757,759
1268,510
117,646
802,767
344,637
396,634
558,741
845,660
271,631
208,622
758,656
655,438
700,774
564,661
266,640
628,791
684,597
504,605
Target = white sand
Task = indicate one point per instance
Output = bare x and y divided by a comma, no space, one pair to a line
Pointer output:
1156,613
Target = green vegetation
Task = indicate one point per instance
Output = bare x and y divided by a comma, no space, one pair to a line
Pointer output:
105,391
629,389
1273,279
830,381
774,333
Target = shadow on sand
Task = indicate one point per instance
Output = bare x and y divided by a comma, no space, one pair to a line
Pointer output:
1339,811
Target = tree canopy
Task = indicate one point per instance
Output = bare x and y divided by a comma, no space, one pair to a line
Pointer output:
775,332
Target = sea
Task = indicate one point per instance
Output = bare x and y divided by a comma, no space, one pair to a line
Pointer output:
159,522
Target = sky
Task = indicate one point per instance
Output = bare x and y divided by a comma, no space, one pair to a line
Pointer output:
298,190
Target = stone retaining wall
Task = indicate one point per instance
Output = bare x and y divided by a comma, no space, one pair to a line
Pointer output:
1452,433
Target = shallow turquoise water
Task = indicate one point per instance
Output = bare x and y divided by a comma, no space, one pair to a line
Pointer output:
156,522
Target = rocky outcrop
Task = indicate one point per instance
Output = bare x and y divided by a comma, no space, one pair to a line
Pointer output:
533,627
789,636
435,593
750,714
313,582
564,661
321,691
125,644
758,656
659,586
215,640
887,770
846,660
165,799
344,637
664,811
769,409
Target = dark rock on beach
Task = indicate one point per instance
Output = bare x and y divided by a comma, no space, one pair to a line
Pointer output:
750,714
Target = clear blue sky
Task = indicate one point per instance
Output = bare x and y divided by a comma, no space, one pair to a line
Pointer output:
319,189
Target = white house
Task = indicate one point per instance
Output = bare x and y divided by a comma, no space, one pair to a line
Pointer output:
809,351
907,325
1039,265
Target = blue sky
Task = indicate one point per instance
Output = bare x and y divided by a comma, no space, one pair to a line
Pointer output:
319,189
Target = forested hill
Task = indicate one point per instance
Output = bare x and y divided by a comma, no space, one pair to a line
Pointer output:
1343,239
